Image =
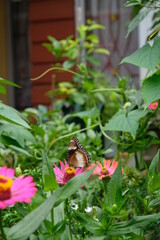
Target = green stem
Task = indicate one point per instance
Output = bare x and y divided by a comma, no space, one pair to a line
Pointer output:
69,218
71,134
56,68
136,159
1,227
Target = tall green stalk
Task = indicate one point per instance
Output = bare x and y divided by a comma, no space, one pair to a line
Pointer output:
1,227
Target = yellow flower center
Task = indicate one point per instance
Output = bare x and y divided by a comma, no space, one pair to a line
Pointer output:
70,170
154,104
104,171
5,187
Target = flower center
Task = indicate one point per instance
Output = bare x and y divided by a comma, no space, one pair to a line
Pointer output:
70,170
69,173
104,171
5,187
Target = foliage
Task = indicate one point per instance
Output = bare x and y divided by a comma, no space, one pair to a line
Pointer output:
110,122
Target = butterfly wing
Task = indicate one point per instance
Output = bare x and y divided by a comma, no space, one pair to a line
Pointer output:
77,156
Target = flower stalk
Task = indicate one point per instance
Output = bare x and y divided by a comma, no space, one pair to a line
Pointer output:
1,227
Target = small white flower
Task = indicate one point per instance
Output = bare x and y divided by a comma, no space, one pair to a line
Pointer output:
88,209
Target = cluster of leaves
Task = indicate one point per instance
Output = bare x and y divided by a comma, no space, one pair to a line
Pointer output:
37,138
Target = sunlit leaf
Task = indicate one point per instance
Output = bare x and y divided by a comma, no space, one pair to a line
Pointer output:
147,57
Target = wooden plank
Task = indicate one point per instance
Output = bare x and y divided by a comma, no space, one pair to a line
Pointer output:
3,47
47,10
58,29
39,95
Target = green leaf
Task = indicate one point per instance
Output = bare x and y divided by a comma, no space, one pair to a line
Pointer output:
153,168
68,64
48,175
95,238
125,122
73,185
114,188
154,183
136,224
154,202
59,213
147,57
4,81
132,3
20,150
86,114
32,221
102,50
12,115
150,89
90,224
2,90
94,60
136,20
18,133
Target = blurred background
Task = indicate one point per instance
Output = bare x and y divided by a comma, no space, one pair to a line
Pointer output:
25,25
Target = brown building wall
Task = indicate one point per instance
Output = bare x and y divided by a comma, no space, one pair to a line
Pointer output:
47,17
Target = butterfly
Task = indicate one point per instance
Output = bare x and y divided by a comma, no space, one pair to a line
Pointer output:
77,156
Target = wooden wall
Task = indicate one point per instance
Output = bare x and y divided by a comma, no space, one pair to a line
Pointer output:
47,17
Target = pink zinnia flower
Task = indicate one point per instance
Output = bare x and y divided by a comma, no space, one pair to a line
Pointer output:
66,172
107,169
22,189
153,105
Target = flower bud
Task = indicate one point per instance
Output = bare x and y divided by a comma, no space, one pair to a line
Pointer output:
18,171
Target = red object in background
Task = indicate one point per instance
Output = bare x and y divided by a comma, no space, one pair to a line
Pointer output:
47,17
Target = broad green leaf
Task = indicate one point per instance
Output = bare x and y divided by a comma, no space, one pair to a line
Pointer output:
12,115
114,188
90,224
153,168
151,89
18,133
32,221
125,122
147,57
136,224
49,178
4,81
59,213
102,50
136,20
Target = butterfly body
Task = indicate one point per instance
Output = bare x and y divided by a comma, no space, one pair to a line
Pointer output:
77,156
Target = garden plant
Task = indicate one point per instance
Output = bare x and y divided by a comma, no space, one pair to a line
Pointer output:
65,173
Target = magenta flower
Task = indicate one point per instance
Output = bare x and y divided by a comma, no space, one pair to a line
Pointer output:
106,170
21,189
66,172
153,105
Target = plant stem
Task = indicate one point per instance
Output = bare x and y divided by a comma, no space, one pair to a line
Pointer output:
71,134
1,227
69,223
56,68
136,159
